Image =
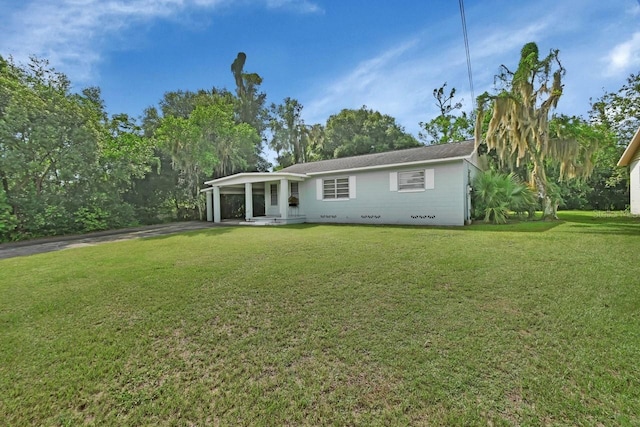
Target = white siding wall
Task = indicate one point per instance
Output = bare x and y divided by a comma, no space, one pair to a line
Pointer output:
271,210
469,176
274,210
635,185
376,203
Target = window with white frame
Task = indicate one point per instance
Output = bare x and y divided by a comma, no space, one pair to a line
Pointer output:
335,188
274,194
411,180
417,180
294,190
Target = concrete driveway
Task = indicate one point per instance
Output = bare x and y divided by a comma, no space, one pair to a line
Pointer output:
36,246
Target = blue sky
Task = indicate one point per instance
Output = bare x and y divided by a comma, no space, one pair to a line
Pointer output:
328,54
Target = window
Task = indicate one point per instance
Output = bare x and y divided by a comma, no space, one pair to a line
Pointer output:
411,180
294,190
335,188
274,194
343,188
417,180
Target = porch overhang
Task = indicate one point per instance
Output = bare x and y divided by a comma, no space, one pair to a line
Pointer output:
250,184
252,178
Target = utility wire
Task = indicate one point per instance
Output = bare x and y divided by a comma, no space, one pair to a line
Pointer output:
466,48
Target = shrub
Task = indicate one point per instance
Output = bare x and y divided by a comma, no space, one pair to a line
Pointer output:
8,221
496,194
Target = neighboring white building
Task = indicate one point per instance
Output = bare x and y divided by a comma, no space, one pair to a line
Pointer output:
631,158
427,185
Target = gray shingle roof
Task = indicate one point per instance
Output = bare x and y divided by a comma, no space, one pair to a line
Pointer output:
409,155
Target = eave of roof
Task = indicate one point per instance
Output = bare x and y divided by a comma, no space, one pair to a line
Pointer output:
628,154
409,156
252,177
390,159
388,165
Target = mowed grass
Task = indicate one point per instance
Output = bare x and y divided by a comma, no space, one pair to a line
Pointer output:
523,324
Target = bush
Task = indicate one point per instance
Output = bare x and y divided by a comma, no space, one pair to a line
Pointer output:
496,194
90,219
8,220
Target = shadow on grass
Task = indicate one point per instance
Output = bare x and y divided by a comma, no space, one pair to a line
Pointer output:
56,243
601,222
599,217
214,230
516,226
572,221
579,221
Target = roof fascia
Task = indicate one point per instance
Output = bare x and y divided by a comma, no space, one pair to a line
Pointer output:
252,177
634,145
391,165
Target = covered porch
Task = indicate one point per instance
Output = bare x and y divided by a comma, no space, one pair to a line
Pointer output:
282,199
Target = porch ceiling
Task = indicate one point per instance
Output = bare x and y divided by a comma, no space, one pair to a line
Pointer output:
258,188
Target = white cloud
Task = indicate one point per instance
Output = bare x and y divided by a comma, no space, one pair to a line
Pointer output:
400,80
624,56
502,40
302,6
72,34
376,82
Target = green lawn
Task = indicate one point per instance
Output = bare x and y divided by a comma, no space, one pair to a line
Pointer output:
523,324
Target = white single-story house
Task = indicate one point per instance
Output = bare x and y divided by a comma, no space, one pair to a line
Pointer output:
427,185
631,158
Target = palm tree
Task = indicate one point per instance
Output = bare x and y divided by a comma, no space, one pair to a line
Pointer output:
496,194
314,139
288,129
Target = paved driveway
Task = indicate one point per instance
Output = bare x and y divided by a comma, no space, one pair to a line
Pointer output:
9,250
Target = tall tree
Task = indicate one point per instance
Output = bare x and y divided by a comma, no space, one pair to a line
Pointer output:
592,190
124,153
64,165
519,125
206,144
363,131
237,68
288,132
8,220
250,100
620,111
250,106
446,127
314,140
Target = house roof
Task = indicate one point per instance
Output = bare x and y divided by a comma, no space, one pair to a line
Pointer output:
631,150
424,154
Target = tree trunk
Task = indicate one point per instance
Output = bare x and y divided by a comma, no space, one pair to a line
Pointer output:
200,206
5,187
549,209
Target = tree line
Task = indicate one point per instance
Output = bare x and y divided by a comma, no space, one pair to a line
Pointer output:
67,166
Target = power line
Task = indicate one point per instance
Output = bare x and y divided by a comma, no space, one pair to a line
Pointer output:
466,48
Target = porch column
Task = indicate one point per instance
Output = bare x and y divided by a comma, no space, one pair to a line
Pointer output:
267,197
284,198
248,201
209,205
469,191
216,204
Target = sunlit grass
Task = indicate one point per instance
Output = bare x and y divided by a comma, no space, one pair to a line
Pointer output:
532,323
